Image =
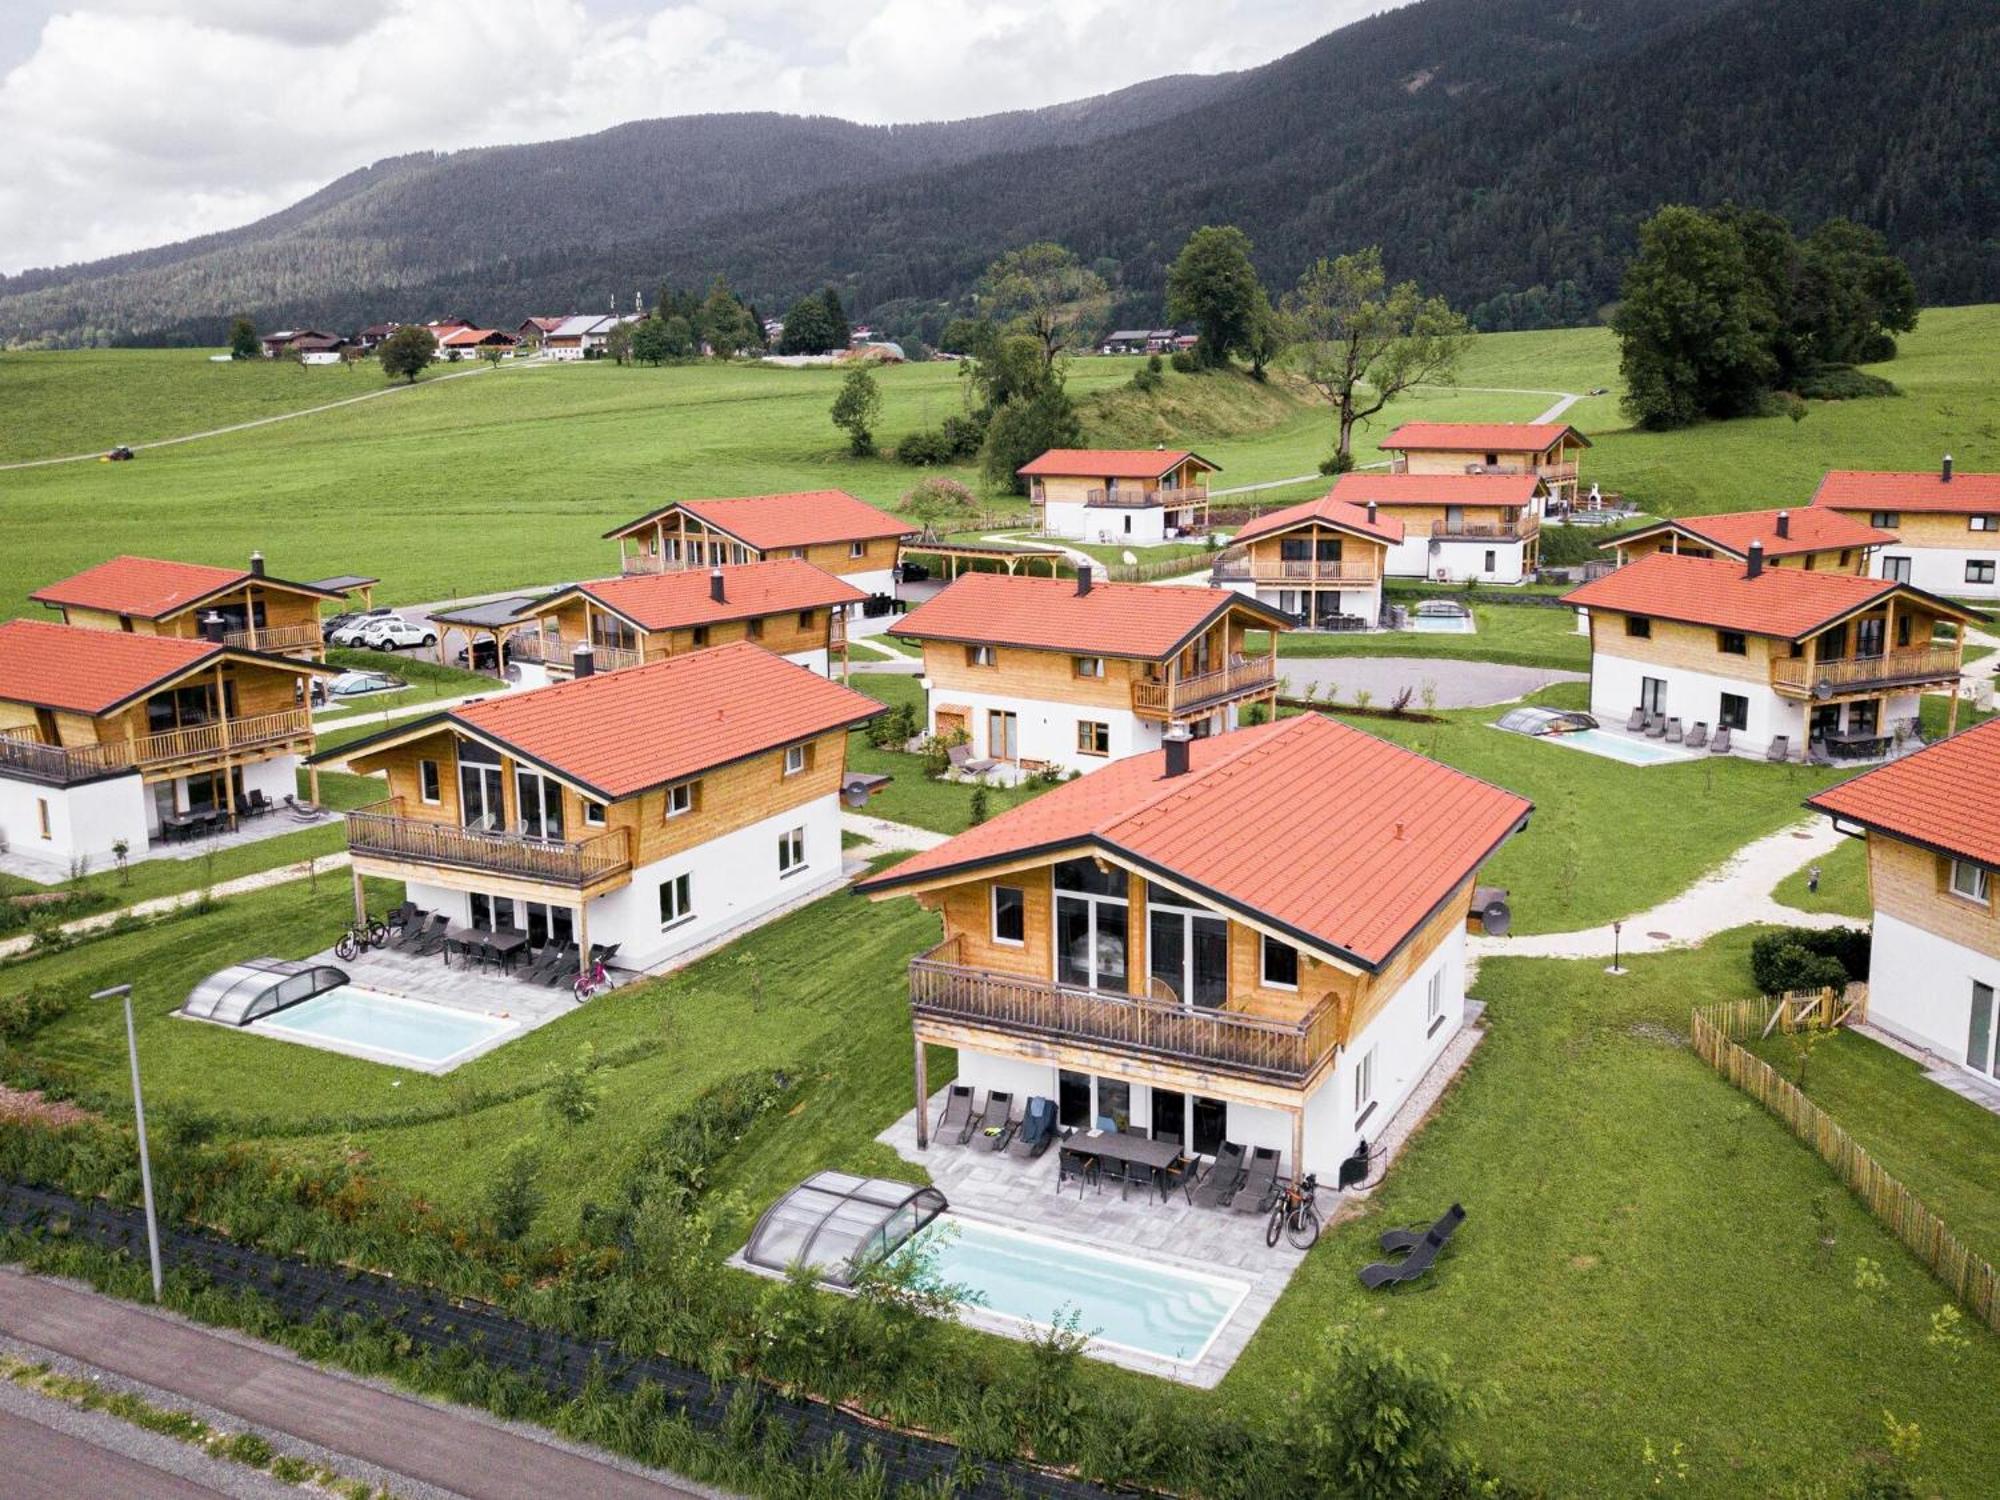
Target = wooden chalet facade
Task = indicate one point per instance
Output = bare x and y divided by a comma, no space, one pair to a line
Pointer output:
246,608
1321,562
1943,526
1816,540
1138,496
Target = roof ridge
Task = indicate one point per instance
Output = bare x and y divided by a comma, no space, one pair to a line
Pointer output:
1173,787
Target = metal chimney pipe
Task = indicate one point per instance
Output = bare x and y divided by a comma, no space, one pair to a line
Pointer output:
1084,580
213,627
1756,560
715,588
1944,472
582,661
1784,523
1176,742
257,565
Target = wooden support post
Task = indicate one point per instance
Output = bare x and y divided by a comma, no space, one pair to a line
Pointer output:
583,937
1957,679
312,784
443,631
1298,1144
923,1101
360,899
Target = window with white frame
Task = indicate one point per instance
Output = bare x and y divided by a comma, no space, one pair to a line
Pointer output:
1281,964
1434,1002
1087,666
1010,915
681,799
593,814
676,900
1969,880
1364,1086
1982,523
857,549
980,656
791,850
797,758
430,786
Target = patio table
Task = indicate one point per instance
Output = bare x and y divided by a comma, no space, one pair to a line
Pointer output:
1128,1149
507,942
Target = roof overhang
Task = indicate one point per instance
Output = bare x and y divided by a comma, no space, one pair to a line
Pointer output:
214,659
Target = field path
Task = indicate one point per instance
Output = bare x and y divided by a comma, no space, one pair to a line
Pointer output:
283,416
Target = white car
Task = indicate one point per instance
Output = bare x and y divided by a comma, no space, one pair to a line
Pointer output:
394,633
351,633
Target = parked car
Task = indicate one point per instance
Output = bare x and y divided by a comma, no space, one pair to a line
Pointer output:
354,619
351,684
394,633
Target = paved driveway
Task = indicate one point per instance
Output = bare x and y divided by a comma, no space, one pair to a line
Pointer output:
1460,684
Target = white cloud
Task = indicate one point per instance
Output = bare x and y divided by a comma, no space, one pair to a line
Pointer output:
132,123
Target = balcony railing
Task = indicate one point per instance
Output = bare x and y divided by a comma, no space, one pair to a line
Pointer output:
56,763
1555,473
654,562
381,830
1358,572
1487,531
1148,495
1180,695
277,639
1798,677
1227,1041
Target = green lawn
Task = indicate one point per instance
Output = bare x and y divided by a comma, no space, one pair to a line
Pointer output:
1843,884
1518,634
428,681
912,797
1640,1262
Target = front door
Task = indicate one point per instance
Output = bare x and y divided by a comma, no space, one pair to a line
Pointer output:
1169,1116
1869,636
1981,1055
1003,735
1454,519
1653,694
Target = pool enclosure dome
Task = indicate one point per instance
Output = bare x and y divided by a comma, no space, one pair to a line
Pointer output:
1532,720
837,1224
239,994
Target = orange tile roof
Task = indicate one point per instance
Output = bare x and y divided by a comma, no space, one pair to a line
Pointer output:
1110,463
1328,511
1810,531
1941,797
1437,489
1782,602
151,588
769,522
669,601
1347,841
88,671
1047,614
1482,437
1964,494
620,733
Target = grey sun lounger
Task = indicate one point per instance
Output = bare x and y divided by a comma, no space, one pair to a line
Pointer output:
1697,736
1393,1240
1037,1128
1383,1273
998,1119
957,1109
1720,744
1637,722
1781,748
975,1120
1223,1179
1253,1196
1674,731
1656,726
433,939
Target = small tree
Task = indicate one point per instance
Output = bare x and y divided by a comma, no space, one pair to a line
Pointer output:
936,501
1213,285
573,1088
1380,1423
1048,294
242,339
407,352
618,343
807,330
979,809
515,1197
857,409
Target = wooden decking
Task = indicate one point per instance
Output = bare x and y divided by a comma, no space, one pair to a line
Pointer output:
1179,695
382,831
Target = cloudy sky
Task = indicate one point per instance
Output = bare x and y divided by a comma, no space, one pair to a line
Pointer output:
130,123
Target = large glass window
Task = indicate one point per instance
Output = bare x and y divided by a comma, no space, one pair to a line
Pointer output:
1281,964
1969,880
481,802
1211,1125
1091,918
1733,712
1010,915
1187,949
540,802
1169,1115
1073,1100
1114,1103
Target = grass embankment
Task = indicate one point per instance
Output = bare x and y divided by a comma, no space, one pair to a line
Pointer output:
1522,635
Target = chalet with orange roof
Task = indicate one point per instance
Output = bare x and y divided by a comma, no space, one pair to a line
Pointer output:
1828,541
1791,664
1321,562
1026,674
1945,524
469,342
110,737
1256,939
1933,831
711,802
1457,528
245,607
1137,497
831,529
1551,451
788,607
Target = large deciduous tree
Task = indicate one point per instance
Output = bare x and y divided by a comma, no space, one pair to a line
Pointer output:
1694,324
725,323
1213,285
242,339
807,328
407,352
1047,294
857,409
1363,341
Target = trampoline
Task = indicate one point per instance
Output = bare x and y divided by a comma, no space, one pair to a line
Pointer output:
1538,721
239,994
837,1224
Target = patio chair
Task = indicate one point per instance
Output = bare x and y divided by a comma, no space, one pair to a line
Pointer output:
1697,736
957,1109
1037,1129
398,921
1383,1273
1656,726
433,939
1079,1166
962,760
1108,1125
1674,731
996,1123
1223,1179
1184,1174
1637,722
453,948
1780,748
1720,744
259,803
1817,754
1134,1174
1393,1240
1259,1183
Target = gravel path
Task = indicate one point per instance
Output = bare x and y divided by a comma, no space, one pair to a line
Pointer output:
1460,684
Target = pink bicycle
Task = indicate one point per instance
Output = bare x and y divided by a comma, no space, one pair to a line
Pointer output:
593,978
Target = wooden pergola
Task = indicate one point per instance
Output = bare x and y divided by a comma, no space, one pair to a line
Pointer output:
499,618
953,553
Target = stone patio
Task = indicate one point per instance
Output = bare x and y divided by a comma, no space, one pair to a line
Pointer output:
1021,1195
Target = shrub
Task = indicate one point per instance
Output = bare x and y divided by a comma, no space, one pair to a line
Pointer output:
1380,1424
1185,361
515,1198
1150,376
1806,958
24,1012
1336,463
1845,383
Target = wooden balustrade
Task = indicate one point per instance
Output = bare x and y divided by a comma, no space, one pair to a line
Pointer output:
1177,695
1355,571
1487,531
1146,495
380,830
1227,1041
1798,676
277,638
59,763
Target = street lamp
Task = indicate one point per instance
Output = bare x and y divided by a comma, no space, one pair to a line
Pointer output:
124,992
1617,927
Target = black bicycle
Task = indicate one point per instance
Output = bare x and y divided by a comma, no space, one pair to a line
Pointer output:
1295,1214
372,932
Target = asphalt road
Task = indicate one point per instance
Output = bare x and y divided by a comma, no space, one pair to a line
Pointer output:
452,1449
39,1463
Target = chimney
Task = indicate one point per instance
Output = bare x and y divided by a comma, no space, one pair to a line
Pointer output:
582,661
256,565
1944,472
1784,523
715,590
1371,512
1399,830
213,627
1083,581
1176,741
1756,559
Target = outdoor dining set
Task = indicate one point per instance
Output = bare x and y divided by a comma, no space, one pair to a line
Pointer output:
509,950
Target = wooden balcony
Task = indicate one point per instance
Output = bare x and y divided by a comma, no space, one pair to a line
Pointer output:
1143,496
1221,1041
1179,695
152,752
382,831
1346,572
1799,677
1487,531
1553,473
278,640
634,563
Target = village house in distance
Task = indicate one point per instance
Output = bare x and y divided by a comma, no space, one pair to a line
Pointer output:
1137,497
1072,674
1321,561
1945,525
1456,528
242,607
1933,830
1550,451
1257,938
1815,539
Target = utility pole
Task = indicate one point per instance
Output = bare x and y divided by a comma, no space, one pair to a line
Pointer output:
124,992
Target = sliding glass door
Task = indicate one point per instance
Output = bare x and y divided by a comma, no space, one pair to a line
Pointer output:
1091,917
481,800
1187,949
540,802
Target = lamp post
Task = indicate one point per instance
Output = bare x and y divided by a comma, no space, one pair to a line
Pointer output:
1616,967
124,992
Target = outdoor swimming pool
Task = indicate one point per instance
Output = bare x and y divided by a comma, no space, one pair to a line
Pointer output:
1619,747
386,1028
1441,624
1134,1304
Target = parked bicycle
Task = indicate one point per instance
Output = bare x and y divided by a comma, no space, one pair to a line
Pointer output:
1295,1214
594,977
370,932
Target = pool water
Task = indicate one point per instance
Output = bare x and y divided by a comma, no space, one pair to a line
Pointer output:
388,1028
1136,1304
1441,624
1619,747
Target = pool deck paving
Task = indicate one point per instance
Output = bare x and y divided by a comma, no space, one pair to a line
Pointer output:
1459,684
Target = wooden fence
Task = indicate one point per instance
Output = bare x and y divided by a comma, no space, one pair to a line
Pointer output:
1717,1030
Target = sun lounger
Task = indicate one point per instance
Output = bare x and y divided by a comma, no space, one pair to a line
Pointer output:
1223,1179
1260,1181
568,960
1674,731
1656,726
1637,722
975,1120
305,812
957,1110
1697,736
1383,1273
1001,1133
433,939
1720,744
1817,753
1037,1129
962,760
1393,1240
1781,748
